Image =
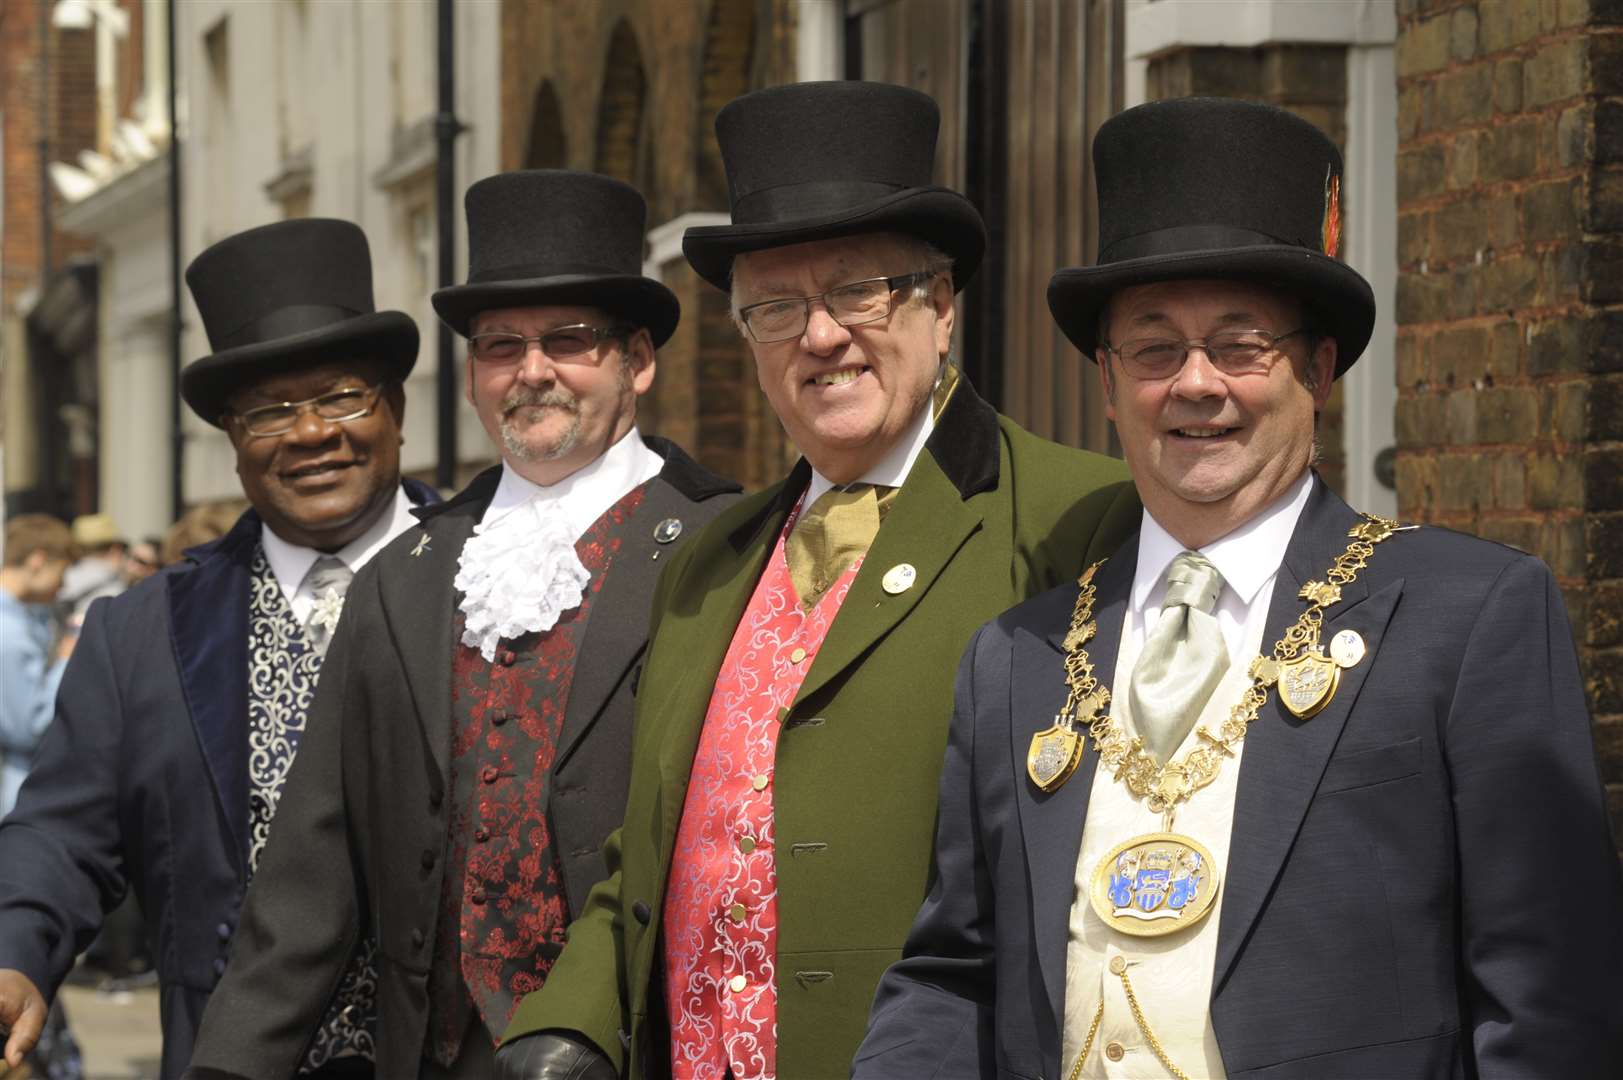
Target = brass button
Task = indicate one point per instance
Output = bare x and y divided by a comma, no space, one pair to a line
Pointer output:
746,844
737,983
797,656
1114,1051
1118,964
737,913
758,781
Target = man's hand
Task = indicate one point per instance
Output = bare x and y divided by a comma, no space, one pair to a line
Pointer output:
552,1055
22,1014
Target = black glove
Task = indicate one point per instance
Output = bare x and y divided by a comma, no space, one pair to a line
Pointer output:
552,1055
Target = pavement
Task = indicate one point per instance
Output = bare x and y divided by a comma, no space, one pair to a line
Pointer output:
118,1032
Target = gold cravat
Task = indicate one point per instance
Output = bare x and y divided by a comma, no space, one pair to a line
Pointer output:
834,532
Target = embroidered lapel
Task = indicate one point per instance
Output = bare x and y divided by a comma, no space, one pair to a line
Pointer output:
1051,823
208,626
1285,757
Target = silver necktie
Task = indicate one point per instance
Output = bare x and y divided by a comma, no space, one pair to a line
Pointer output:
1184,657
328,579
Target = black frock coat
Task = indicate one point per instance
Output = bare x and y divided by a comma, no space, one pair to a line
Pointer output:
362,832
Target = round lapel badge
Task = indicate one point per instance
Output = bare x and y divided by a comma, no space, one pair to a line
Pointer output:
667,530
899,578
1347,648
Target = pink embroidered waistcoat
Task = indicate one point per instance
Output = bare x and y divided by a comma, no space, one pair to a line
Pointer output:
720,919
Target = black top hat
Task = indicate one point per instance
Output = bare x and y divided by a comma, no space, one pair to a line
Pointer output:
1218,188
291,294
556,236
812,161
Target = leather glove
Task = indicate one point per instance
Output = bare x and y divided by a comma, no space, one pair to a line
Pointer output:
552,1055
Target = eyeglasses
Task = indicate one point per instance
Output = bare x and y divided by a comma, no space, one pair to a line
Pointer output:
350,403
851,304
574,344
1233,352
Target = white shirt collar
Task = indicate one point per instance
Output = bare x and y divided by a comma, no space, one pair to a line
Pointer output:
585,494
1248,558
290,562
892,469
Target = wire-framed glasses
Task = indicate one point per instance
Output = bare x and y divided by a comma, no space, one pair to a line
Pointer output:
1233,352
350,403
573,344
851,304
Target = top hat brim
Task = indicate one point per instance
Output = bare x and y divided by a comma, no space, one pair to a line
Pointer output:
1338,300
388,336
939,216
640,300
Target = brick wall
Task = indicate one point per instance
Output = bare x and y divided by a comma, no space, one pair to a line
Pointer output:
1510,300
1310,81
631,88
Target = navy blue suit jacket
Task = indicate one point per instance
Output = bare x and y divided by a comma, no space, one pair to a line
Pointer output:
1421,881
141,783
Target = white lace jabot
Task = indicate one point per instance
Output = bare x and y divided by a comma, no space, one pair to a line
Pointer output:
518,574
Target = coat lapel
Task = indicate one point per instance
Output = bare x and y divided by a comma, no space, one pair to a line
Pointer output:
208,625
419,606
1285,757
617,629
1051,823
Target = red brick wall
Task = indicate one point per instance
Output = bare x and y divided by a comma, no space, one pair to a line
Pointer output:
1510,300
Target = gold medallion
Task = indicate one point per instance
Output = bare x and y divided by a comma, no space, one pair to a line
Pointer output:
1307,682
1154,884
1054,755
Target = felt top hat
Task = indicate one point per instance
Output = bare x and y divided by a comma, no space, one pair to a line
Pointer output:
817,160
556,236
1218,188
287,295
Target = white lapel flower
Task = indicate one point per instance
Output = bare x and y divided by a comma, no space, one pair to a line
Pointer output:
518,575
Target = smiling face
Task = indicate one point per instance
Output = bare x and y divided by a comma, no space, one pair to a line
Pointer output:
847,394
549,418
322,483
1208,451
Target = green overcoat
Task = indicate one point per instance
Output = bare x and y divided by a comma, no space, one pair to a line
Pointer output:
989,515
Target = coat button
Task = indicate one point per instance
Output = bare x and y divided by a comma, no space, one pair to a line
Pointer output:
477,896
219,966
1115,1051
1118,964
759,781
489,774
417,939
737,983
640,912
224,931
746,844
481,834
499,719
428,860
737,913
435,801
797,656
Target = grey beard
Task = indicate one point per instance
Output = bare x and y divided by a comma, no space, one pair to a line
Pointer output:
513,440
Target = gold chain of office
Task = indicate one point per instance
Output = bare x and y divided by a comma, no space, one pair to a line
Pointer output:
1165,786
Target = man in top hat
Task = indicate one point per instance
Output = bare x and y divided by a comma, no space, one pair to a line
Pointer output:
1338,813
792,713
474,730
187,696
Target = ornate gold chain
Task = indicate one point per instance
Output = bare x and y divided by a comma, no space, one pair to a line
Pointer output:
1165,786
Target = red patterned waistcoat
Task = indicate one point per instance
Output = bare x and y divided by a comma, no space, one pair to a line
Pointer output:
502,904
721,909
